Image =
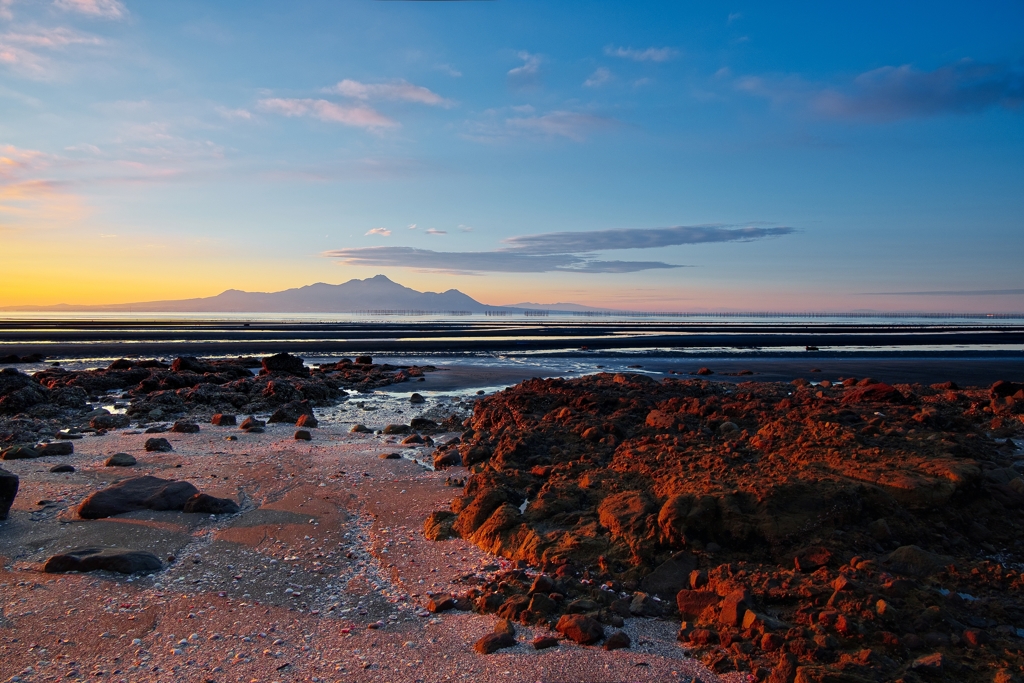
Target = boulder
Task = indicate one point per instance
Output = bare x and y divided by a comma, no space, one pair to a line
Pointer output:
158,445
18,453
544,642
691,603
873,393
285,363
141,493
222,420
120,460
183,427
422,423
493,642
291,412
580,628
617,641
207,504
396,429
441,602
118,560
438,526
913,561
303,435
308,421
671,576
359,429
416,398
110,421
55,448
364,360
8,490
251,424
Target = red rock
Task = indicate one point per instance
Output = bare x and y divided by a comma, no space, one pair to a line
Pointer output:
691,603
579,628
811,559
544,642
734,606
442,602
703,637
617,641
492,642
770,642
873,393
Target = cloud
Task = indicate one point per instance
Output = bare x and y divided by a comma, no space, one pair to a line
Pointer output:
5,9
399,90
235,114
528,73
358,116
20,51
483,261
432,231
449,69
600,76
953,292
638,238
412,226
383,232
465,228
734,16
103,9
26,198
566,124
651,54
901,92
893,93
555,252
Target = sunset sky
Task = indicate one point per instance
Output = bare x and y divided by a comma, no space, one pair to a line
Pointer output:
643,155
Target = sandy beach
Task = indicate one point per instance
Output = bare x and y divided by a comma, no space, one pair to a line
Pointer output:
327,547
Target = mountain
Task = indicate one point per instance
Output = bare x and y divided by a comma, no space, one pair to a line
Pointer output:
372,294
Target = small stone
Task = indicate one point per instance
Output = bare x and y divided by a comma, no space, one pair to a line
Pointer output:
579,628
416,398
57,469
544,642
182,427
251,424
390,456
505,626
493,642
359,429
18,453
307,421
158,445
222,420
55,448
120,460
303,435
617,641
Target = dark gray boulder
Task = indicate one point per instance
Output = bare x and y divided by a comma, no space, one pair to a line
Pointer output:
158,445
120,460
8,490
207,504
120,560
141,493
55,448
18,453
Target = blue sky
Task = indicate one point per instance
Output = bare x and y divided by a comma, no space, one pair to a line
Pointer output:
654,156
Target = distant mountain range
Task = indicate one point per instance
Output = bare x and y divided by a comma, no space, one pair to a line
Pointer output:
372,294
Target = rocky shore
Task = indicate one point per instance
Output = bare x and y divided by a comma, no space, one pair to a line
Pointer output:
854,531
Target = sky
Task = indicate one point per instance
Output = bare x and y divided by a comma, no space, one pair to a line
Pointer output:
659,156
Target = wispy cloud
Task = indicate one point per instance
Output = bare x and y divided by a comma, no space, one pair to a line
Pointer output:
952,292
383,232
358,116
5,10
556,252
734,16
528,73
22,51
434,231
638,238
235,114
600,76
651,54
566,124
28,199
893,93
449,69
103,9
399,90
412,226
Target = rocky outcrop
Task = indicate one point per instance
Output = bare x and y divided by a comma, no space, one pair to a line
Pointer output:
817,530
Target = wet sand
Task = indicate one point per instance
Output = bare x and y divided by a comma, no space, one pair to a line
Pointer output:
328,542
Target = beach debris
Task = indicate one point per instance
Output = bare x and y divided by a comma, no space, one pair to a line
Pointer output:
119,560
8,491
120,460
158,445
